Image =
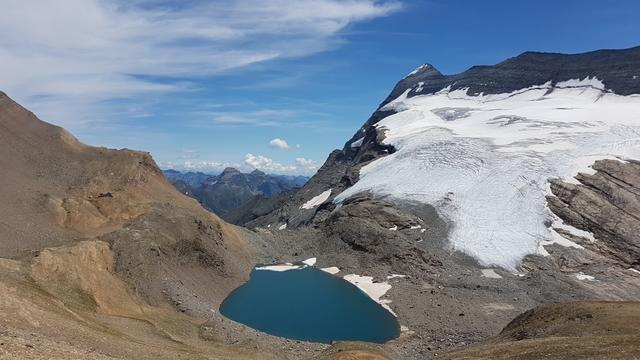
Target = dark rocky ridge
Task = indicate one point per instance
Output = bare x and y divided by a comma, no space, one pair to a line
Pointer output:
615,68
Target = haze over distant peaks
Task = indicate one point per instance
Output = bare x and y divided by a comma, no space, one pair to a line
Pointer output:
231,189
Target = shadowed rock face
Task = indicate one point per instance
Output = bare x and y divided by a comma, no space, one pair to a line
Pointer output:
606,204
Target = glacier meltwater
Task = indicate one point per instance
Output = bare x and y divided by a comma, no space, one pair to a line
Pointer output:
305,303
484,161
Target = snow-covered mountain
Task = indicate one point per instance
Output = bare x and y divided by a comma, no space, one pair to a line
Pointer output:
481,146
484,160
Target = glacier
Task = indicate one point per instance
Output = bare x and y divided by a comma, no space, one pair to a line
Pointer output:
484,160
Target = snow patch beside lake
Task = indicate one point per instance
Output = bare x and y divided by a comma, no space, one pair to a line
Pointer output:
331,270
288,266
317,200
375,290
281,267
484,161
310,261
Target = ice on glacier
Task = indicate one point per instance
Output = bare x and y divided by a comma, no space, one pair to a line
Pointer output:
484,161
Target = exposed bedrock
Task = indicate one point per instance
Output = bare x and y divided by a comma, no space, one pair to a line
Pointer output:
606,204
377,227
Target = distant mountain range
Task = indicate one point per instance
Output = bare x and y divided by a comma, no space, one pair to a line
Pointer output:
231,189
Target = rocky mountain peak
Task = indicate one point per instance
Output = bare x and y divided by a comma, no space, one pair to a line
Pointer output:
229,171
617,69
424,71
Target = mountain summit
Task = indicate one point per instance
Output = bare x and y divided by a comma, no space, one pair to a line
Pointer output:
616,69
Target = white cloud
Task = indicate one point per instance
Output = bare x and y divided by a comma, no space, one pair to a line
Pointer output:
306,163
66,58
302,166
266,164
205,166
278,143
263,117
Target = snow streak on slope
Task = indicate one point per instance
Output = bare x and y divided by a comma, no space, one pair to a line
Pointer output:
317,200
484,161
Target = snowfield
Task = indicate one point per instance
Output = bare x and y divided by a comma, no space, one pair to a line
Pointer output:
484,161
375,290
316,200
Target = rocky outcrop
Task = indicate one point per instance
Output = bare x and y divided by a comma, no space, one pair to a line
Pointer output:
607,204
387,233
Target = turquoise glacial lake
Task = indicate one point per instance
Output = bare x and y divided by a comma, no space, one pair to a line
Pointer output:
310,305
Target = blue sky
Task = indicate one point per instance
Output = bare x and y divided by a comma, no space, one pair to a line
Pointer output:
203,85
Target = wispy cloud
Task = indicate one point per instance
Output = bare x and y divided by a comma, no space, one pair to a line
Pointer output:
57,55
189,154
263,117
278,143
